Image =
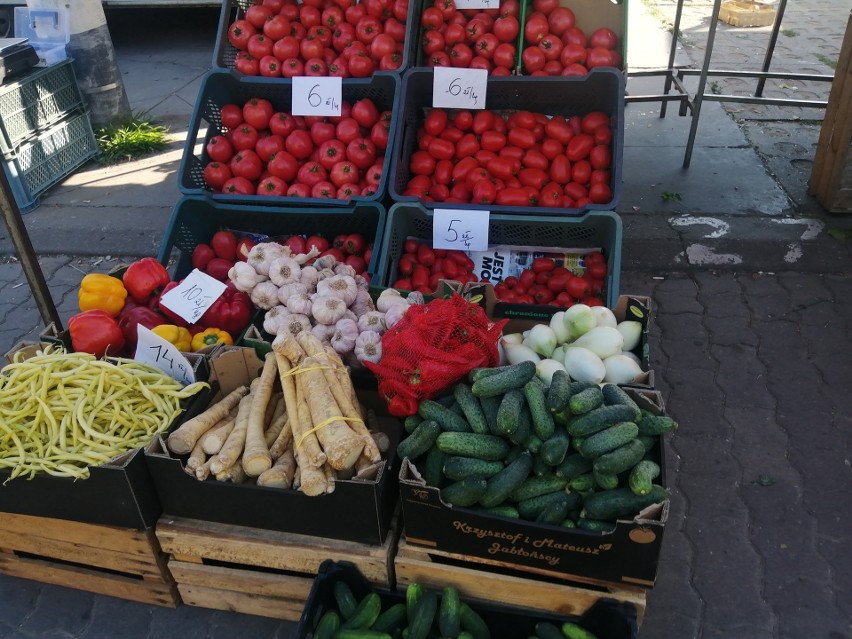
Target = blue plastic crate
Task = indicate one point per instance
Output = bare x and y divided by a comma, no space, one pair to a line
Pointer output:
195,219
600,90
224,54
595,229
219,88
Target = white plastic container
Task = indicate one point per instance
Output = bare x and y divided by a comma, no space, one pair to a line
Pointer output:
47,31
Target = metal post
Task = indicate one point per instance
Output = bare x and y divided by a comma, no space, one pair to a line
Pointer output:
672,52
770,49
26,254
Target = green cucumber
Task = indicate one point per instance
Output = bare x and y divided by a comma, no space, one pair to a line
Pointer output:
547,630
487,371
524,431
509,412
555,513
559,392
471,408
656,425
595,525
647,441
582,483
609,439
432,467
573,466
365,615
391,619
490,406
542,418
464,634
346,602
568,522
531,508
571,630
613,394
533,443
351,633
327,626
488,447
413,593
621,459
586,401
501,485
419,441
605,481
423,616
540,469
505,510
473,623
512,377
535,486
457,409
458,468
449,612
553,450
444,417
464,493
411,422
642,477
621,502
599,419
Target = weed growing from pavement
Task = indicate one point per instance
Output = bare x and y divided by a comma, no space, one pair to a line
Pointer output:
130,140
669,196
790,33
829,62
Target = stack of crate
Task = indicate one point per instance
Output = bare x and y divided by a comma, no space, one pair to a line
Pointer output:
45,131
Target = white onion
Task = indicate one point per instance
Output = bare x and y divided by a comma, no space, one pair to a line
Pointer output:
632,332
604,316
560,328
583,365
603,341
545,369
580,320
517,353
621,369
542,339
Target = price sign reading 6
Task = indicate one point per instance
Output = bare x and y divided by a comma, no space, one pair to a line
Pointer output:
460,230
317,96
459,88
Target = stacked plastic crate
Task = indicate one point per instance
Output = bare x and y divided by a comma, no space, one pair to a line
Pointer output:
45,131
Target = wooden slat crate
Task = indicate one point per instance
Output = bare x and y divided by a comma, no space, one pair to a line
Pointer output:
259,572
119,562
494,581
831,173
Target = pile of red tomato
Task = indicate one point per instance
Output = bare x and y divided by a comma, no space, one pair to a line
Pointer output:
523,159
471,38
555,45
547,283
344,38
421,267
265,152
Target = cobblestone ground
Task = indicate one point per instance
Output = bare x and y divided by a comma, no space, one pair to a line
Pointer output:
755,367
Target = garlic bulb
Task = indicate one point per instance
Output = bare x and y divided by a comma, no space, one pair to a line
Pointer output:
326,261
284,270
244,277
261,255
265,295
308,277
344,269
362,282
288,290
341,286
327,309
323,332
324,273
274,319
345,334
299,303
415,297
388,298
372,321
368,346
295,324
363,302
394,314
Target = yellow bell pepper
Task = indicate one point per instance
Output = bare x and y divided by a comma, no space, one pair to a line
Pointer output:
177,335
209,337
103,292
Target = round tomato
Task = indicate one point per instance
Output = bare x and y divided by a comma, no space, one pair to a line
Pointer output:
299,190
259,46
246,64
504,55
574,35
312,173
244,137
246,164
545,6
238,185
603,38
257,112
485,45
231,116
572,54
292,67
276,27
268,146
422,163
461,55
506,29
283,165
343,172
258,14
270,67
219,149
575,69
361,65
599,57
600,193
216,174
324,190
361,152
272,185
535,29
454,34
299,144
560,20
240,32
347,130
533,59
551,46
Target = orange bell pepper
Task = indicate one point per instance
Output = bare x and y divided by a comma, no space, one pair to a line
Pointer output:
103,292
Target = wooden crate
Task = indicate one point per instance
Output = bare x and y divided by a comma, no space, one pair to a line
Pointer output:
259,572
831,173
490,581
119,562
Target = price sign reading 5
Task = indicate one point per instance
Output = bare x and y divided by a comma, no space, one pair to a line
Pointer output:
193,296
317,96
459,88
153,349
460,230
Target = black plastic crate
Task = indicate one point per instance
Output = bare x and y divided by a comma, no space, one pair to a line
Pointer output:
600,90
225,54
195,219
219,88
607,619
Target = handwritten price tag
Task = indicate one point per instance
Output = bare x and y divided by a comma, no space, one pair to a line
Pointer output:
317,96
153,349
460,230
459,88
477,4
193,295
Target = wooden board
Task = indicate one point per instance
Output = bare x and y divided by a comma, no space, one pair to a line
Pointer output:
493,582
119,562
259,572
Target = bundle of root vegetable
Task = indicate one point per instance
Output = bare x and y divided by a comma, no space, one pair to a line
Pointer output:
63,412
299,425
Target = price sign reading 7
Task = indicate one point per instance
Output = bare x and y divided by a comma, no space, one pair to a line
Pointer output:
460,230
317,96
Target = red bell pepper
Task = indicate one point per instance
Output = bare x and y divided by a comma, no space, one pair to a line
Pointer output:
232,312
130,318
95,332
143,277
176,319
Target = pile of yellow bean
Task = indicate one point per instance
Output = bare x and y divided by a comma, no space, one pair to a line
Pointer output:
63,412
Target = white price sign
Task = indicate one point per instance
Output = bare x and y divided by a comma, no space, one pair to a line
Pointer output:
193,295
477,4
153,349
459,88
460,230
317,96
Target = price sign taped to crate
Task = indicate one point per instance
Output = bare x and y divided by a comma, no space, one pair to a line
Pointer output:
477,4
459,88
317,96
193,296
460,230
153,349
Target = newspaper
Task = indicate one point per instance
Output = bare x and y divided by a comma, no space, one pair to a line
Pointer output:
500,262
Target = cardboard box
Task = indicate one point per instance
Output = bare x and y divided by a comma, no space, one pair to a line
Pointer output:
357,510
118,493
739,13
627,555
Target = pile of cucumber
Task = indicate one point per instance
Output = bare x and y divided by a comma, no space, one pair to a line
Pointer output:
575,454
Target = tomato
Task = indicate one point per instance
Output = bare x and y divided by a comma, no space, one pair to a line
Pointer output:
216,174
299,190
420,276
361,65
365,113
454,33
512,197
551,46
535,178
309,16
240,32
343,172
484,192
347,130
373,175
268,146
579,147
600,193
560,170
400,10
272,185
461,55
603,38
361,152
422,163
238,185
545,6
535,29
257,112
354,13
600,177
598,57
560,20
219,149
600,157
452,134
466,146
551,148
522,138
533,59
321,243
431,18
572,54
410,246
574,35
312,173
435,121
292,67
283,165
506,29
535,160
379,8
259,46
581,172
244,137
258,14
575,191
504,55
247,164
596,270
485,45
276,27
439,59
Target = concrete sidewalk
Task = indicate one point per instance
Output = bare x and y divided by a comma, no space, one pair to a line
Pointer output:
749,341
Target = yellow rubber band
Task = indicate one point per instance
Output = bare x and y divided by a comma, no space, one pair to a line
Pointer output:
324,424
302,369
